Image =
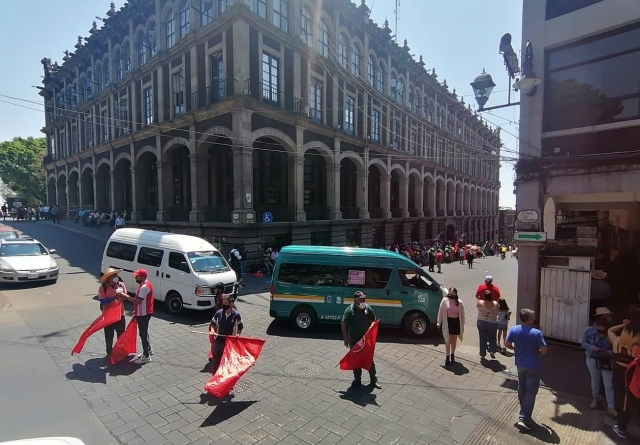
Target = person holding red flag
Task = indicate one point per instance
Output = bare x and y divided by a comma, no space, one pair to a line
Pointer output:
142,310
111,293
356,321
226,322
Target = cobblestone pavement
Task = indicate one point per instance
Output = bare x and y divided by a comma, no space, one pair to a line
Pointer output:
295,394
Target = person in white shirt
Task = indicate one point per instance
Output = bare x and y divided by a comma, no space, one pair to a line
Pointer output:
119,222
274,257
235,258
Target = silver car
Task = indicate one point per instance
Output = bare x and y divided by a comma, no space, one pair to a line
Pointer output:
26,260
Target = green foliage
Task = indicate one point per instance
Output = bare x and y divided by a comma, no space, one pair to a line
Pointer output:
21,167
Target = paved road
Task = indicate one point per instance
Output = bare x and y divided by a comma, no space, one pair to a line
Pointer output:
294,394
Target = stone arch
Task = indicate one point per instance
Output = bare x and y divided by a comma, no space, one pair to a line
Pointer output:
146,149
102,162
215,131
87,166
172,143
355,157
121,156
277,135
415,171
398,167
345,31
74,169
51,176
380,164
321,148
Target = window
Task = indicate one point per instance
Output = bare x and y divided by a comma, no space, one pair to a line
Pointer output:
151,40
185,11
106,72
349,115
397,132
169,31
259,7
332,276
269,77
121,251
417,279
119,67
380,76
74,139
126,57
141,44
414,142
374,131
305,26
207,261
122,116
281,14
343,52
355,60
323,39
218,90
104,123
98,79
315,101
148,106
88,132
150,257
20,249
223,5
179,262
178,93
371,72
589,83
397,90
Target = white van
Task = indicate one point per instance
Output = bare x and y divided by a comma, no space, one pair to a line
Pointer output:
182,268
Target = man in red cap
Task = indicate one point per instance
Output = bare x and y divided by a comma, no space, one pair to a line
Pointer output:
142,310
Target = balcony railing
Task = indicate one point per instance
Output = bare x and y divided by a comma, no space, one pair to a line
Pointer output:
212,94
218,213
316,213
350,212
376,213
179,213
149,213
440,212
396,213
267,93
281,213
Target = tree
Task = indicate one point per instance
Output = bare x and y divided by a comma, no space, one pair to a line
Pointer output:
21,167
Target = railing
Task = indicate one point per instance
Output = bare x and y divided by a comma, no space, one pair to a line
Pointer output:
396,213
440,212
149,213
212,94
218,213
316,213
413,213
267,93
281,213
179,213
376,213
350,212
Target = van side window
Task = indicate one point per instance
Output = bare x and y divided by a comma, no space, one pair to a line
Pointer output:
150,257
122,251
374,277
331,276
178,261
413,278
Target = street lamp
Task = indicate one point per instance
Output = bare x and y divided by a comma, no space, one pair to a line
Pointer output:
482,87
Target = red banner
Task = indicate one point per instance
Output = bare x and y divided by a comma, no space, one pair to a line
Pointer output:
126,344
361,355
108,317
240,353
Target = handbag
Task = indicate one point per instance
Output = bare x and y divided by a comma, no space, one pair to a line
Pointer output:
603,360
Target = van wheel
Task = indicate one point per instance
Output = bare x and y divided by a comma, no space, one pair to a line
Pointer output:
304,318
173,303
416,324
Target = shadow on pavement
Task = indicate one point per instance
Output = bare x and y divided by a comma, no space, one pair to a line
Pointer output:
31,285
224,409
493,364
456,368
284,329
95,370
543,433
361,396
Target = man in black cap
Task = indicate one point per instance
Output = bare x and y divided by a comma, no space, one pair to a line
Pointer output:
356,320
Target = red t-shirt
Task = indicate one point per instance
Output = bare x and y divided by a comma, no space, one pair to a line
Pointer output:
495,292
439,257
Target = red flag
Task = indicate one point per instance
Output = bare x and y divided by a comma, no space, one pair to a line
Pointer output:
240,353
126,344
108,317
361,355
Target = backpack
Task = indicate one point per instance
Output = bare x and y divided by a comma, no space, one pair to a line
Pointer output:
632,379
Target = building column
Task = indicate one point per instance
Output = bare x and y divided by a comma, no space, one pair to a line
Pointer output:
363,194
134,215
404,198
420,199
95,190
196,214
385,192
112,194
333,191
296,187
243,195
79,191
160,215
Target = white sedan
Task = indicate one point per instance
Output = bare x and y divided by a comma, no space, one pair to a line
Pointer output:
25,260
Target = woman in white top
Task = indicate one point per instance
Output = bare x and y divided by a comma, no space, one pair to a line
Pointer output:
451,320
487,324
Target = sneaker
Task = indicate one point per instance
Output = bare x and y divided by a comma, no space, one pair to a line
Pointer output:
150,352
594,403
612,412
523,425
374,383
136,357
620,432
142,360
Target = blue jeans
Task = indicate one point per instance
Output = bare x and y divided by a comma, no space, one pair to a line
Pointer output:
487,332
607,378
528,385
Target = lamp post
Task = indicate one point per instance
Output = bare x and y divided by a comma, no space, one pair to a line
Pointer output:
482,87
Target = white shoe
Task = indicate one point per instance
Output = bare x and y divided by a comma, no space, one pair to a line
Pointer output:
136,357
142,360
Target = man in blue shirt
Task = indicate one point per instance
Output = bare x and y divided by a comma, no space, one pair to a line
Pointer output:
529,346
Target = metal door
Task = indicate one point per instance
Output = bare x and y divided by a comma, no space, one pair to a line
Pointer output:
564,303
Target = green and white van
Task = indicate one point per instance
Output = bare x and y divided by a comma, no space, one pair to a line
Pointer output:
314,284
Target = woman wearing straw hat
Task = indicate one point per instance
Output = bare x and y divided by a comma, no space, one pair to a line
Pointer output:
111,293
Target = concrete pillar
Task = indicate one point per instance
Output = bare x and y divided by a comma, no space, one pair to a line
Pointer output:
333,191
363,194
296,180
385,192
112,194
94,178
243,185
241,57
162,204
79,192
135,213
196,214
404,197
420,198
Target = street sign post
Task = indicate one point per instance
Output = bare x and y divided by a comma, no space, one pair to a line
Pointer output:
533,237
267,218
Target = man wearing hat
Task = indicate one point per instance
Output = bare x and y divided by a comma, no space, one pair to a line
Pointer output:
357,319
600,290
111,293
142,310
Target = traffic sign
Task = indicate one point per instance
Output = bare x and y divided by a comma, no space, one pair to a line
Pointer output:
536,237
267,218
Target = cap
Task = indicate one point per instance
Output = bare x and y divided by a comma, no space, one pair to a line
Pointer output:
359,294
488,278
141,272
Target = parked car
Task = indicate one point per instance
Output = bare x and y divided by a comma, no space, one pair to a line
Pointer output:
46,441
8,232
26,260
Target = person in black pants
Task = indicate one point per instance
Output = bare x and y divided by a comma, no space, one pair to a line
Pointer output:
226,322
111,293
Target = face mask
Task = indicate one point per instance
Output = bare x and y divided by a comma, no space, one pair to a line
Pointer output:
362,305
226,306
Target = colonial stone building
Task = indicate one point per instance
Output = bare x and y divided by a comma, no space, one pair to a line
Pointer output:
202,116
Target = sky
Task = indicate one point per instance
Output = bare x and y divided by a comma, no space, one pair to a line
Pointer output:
459,38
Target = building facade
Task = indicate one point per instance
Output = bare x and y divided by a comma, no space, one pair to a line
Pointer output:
278,121
506,225
579,167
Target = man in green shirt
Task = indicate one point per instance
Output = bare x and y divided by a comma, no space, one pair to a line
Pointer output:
356,320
